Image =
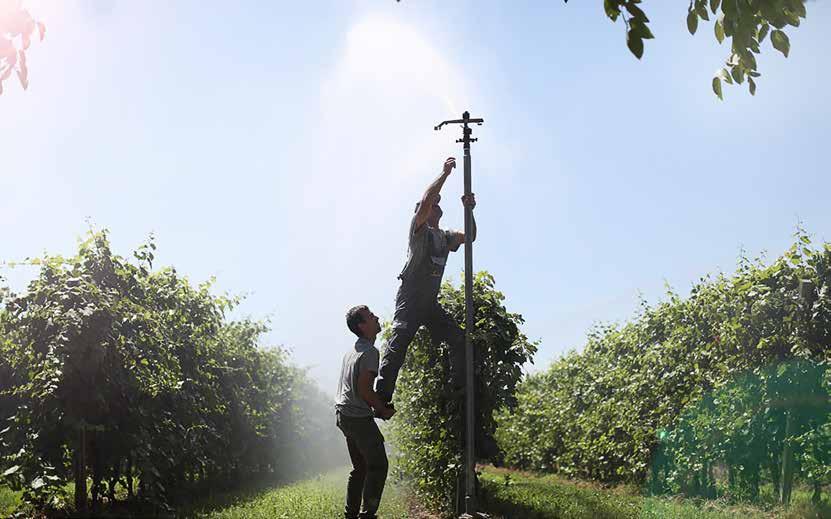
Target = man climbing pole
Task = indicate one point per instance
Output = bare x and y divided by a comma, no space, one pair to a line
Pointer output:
416,301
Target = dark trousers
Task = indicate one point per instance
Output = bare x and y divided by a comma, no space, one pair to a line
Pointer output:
369,465
406,322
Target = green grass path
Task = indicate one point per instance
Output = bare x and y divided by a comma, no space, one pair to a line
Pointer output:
525,496
518,495
507,494
316,498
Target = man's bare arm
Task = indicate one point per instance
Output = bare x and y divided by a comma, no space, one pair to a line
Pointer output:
366,392
433,190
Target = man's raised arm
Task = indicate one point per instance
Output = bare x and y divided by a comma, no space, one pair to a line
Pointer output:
432,193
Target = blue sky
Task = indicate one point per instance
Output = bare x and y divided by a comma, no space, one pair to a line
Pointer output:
280,146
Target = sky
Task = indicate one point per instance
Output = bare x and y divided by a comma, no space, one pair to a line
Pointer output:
281,146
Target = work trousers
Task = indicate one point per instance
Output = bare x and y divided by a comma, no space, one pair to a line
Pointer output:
369,465
406,322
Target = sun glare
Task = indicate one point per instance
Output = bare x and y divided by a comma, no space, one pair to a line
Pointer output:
388,51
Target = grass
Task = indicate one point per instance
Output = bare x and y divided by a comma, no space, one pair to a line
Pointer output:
315,498
9,499
525,496
506,494
513,494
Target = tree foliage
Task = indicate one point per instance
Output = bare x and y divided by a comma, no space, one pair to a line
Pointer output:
692,385
429,426
744,23
143,373
16,30
742,427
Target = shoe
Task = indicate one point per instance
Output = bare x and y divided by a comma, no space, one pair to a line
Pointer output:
383,396
378,415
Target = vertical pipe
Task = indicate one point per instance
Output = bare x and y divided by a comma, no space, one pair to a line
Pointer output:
470,481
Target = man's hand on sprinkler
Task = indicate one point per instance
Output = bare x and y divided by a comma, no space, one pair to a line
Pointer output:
469,201
449,164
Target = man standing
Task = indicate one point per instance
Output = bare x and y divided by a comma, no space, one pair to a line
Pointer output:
354,404
416,303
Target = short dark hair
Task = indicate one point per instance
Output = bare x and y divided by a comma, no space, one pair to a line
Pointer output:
354,317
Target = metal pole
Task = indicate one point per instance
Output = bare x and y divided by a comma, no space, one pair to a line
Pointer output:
470,386
470,417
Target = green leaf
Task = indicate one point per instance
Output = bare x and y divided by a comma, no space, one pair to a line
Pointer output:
792,18
637,13
692,21
612,9
37,483
11,471
717,87
780,42
799,9
714,5
635,43
640,29
747,59
738,74
763,32
719,30
724,75
701,11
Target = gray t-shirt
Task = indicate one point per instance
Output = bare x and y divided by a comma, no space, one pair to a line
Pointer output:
426,257
364,356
